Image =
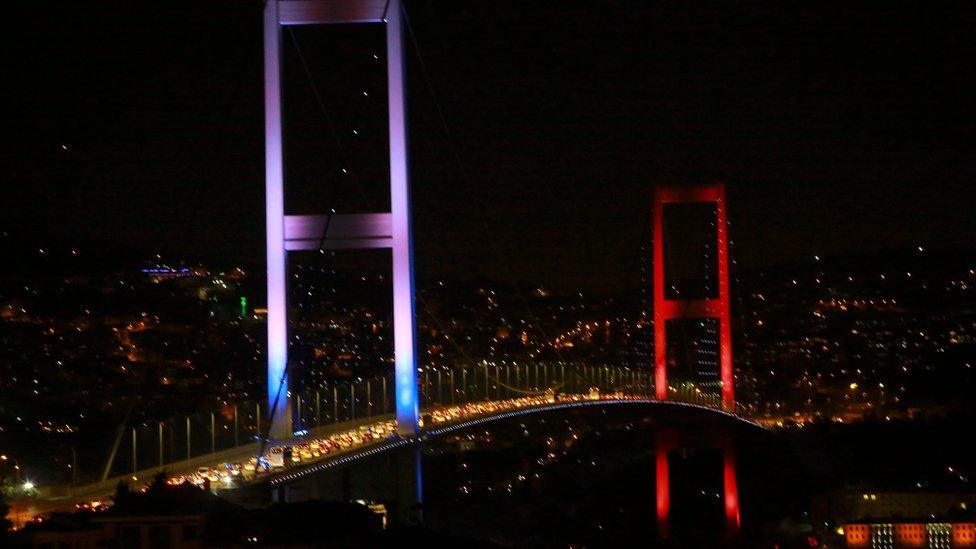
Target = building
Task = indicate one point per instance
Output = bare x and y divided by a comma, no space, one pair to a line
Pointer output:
910,533
902,519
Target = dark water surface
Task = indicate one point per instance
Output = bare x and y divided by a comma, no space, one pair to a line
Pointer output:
593,478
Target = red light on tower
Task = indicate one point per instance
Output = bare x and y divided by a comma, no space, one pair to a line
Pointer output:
666,309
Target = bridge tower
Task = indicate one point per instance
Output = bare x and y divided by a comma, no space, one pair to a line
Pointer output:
287,233
718,307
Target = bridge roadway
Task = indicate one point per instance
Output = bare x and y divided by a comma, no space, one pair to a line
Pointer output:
340,444
563,402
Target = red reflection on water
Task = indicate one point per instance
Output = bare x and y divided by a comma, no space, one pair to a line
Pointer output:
663,489
731,490
664,442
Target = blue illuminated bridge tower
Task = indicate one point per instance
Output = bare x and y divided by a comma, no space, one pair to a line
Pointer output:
287,233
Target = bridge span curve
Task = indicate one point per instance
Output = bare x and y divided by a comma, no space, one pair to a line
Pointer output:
447,427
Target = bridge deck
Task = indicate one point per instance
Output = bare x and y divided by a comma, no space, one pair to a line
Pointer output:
369,450
343,443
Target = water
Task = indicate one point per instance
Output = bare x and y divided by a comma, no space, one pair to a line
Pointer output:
587,478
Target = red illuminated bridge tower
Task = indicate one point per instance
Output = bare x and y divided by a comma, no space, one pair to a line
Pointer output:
708,307
681,308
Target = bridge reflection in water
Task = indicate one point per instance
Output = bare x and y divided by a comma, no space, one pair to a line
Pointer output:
668,440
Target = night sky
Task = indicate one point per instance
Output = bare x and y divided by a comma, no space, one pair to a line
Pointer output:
837,129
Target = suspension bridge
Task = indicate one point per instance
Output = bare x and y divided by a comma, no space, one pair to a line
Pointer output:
308,432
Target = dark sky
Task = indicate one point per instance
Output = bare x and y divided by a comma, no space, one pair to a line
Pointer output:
837,128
